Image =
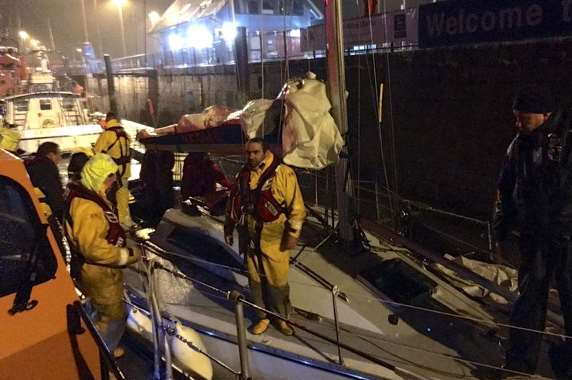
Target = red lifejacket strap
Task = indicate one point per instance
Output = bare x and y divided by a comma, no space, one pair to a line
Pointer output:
258,202
116,235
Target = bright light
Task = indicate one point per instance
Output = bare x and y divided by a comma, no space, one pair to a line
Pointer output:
199,36
176,42
23,34
154,17
120,3
295,33
78,50
34,42
229,32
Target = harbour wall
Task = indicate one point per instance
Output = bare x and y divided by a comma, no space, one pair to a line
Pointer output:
447,117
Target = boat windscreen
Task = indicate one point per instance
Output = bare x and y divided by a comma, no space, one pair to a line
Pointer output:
203,247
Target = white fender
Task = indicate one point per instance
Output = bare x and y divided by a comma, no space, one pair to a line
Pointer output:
183,356
140,323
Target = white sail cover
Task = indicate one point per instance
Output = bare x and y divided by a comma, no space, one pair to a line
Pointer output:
310,137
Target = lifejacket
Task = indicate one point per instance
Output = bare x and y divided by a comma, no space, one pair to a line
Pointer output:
259,202
116,235
123,160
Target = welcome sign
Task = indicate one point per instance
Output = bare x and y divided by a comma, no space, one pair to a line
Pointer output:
473,21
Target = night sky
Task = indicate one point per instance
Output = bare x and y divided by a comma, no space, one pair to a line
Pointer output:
66,20
67,25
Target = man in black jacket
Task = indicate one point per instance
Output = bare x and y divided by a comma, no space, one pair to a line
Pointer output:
42,168
535,195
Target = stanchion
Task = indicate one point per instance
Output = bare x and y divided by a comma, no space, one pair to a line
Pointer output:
335,292
236,297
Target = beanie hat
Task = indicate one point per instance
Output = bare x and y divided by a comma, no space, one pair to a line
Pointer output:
534,99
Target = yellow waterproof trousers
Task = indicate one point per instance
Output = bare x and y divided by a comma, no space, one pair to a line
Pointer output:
122,198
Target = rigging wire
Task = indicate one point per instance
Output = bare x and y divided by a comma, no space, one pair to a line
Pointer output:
368,299
367,337
376,112
358,123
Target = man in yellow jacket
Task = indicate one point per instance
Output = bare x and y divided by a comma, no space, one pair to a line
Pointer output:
99,248
267,208
115,142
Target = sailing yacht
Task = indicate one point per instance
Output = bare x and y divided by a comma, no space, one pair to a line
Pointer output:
376,313
380,312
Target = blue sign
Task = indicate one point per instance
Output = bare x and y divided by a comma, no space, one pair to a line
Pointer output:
473,21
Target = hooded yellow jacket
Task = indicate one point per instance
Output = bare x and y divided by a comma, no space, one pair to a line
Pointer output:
101,276
9,139
109,144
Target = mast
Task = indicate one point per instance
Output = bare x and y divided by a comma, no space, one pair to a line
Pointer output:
84,18
337,91
52,40
97,29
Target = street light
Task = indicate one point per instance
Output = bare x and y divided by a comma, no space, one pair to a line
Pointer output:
23,35
154,16
120,4
79,55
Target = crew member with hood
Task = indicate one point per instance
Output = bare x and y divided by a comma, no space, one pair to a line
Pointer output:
10,139
535,195
99,248
267,208
115,142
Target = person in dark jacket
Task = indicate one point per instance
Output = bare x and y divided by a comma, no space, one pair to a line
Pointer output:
43,170
157,177
200,178
535,196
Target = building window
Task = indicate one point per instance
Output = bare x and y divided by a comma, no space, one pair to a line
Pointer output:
268,7
253,7
298,7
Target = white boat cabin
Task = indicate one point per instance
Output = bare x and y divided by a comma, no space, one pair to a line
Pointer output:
50,116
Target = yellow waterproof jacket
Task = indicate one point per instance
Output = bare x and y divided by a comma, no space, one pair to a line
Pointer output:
101,275
109,143
9,139
286,191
